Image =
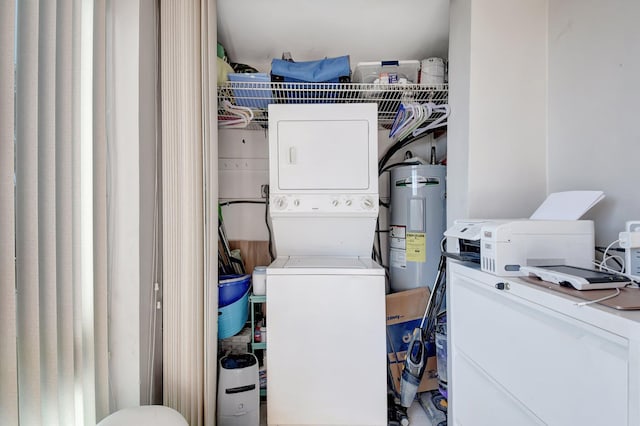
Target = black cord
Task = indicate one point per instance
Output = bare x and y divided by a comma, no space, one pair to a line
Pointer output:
266,218
398,146
266,221
374,251
379,241
228,203
602,250
408,163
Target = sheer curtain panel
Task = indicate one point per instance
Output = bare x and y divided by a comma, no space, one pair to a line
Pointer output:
52,280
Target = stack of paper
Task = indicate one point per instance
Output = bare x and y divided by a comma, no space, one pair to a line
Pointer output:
568,205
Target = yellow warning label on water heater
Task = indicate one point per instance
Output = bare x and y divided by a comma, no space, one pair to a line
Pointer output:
416,247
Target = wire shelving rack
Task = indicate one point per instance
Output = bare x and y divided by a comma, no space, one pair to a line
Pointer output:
258,95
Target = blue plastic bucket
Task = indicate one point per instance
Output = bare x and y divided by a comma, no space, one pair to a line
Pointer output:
232,318
232,287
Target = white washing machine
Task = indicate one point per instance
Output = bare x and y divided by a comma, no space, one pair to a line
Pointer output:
325,296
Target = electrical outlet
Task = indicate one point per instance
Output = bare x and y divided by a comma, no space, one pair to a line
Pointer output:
632,255
264,191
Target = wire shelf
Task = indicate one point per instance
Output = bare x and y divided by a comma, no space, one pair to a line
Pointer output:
258,95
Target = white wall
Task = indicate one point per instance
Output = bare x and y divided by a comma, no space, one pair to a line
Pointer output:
458,128
124,205
498,128
594,87
132,164
242,167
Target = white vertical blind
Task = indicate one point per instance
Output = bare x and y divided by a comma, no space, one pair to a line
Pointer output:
100,204
27,271
8,358
64,213
46,195
51,335
84,168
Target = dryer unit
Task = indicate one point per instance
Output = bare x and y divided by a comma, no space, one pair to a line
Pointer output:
325,296
323,178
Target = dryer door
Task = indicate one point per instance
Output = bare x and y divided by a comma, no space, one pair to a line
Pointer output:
323,148
329,155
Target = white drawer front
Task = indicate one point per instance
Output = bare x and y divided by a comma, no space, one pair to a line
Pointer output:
565,371
480,401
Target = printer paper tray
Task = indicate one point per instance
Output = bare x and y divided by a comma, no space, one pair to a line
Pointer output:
464,257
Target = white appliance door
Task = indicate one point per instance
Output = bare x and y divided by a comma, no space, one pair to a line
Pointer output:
323,155
326,361
323,236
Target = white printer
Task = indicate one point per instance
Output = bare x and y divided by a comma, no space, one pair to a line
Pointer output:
502,246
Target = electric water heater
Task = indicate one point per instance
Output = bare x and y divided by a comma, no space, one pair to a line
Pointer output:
417,224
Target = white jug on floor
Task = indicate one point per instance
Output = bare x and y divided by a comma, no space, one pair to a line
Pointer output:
147,415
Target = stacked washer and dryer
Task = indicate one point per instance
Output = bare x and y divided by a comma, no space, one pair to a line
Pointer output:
325,295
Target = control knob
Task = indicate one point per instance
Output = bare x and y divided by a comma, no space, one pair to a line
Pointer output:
280,203
367,203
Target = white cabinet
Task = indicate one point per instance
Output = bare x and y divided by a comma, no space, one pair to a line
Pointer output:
527,355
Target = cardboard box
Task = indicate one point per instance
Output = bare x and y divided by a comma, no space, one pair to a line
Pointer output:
404,313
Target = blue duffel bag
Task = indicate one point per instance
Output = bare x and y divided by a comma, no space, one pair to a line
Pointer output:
311,81
329,70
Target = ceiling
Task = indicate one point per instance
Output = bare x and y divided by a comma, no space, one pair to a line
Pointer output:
255,31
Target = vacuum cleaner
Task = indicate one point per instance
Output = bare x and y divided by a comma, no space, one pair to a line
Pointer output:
416,360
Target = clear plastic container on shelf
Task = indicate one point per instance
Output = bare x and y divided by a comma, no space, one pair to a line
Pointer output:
387,72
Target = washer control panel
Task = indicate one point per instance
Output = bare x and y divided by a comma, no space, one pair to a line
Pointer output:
324,203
